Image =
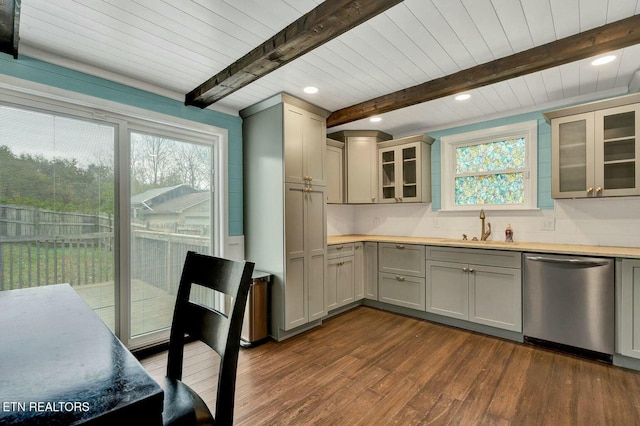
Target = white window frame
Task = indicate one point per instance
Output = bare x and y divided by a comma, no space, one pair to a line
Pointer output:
448,145
30,95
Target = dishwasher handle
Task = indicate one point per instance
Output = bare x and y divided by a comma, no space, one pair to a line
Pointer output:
577,262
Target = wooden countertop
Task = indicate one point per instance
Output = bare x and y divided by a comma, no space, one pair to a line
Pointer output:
576,249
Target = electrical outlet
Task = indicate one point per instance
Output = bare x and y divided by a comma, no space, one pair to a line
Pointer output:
547,224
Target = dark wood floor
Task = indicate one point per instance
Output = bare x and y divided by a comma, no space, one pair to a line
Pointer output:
368,366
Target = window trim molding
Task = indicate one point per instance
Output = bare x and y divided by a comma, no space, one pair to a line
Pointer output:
39,96
448,144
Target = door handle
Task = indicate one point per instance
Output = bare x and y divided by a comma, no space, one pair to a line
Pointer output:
564,261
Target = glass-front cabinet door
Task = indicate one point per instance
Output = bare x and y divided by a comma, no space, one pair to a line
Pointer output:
595,154
572,156
388,192
617,151
410,172
401,173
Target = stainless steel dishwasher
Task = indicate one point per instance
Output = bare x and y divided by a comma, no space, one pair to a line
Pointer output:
568,302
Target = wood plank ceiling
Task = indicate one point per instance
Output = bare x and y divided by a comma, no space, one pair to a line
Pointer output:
171,47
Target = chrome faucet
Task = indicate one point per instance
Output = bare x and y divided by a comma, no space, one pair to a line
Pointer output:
484,234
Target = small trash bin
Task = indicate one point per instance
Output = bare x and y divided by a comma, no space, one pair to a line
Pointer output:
254,325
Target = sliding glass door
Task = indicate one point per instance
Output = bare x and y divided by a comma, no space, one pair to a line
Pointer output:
171,213
57,205
109,204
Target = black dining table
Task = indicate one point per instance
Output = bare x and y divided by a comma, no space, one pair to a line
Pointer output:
61,365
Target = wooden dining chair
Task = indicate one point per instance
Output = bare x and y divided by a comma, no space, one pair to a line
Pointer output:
182,405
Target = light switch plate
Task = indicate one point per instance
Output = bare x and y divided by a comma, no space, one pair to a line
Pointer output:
547,224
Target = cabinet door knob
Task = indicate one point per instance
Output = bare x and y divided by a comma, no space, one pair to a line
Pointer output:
373,198
598,190
590,191
471,270
465,269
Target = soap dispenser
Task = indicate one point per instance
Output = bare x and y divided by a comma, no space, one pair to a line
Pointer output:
508,234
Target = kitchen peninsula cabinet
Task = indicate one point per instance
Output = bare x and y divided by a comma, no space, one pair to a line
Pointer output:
481,286
404,169
595,149
285,220
628,312
361,158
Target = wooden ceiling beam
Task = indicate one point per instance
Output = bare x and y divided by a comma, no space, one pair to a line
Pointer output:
327,21
607,38
9,26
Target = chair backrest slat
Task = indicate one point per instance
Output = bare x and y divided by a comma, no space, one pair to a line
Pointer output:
218,331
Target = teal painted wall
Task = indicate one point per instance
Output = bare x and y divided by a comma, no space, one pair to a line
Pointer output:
52,75
544,155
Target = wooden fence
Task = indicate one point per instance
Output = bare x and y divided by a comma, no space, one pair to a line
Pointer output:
157,258
21,221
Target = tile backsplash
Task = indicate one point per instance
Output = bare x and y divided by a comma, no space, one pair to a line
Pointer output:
607,222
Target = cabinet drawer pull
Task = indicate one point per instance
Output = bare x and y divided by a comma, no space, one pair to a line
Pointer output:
339,247
399,246
399,278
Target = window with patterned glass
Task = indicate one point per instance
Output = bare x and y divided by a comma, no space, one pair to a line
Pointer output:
491,169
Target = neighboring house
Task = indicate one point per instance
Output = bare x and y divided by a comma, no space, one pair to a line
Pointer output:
177,209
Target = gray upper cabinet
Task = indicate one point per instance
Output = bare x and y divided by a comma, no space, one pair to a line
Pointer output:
361,164
335,171
595,149
404,170
305,147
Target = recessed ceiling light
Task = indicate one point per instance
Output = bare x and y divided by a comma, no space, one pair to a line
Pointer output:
375,119
603,60
310,89
463,97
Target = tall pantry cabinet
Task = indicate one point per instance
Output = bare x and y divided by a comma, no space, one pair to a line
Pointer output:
284,143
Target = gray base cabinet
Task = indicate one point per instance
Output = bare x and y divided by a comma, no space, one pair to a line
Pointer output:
628,294
487,291
401,278
340,285
447,290
402,290
370,273
359,271
306,251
